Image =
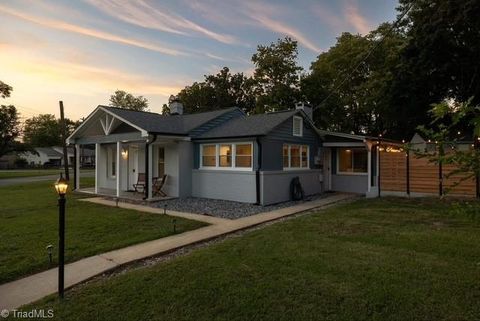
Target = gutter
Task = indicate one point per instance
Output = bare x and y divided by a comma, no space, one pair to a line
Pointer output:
147,156
257,171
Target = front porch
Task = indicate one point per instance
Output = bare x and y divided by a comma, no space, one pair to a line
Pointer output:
125,196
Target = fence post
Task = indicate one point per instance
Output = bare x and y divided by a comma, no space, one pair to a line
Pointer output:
408,172
440,170
378,166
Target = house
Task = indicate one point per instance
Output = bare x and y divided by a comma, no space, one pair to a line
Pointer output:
8,161
53,156
462,143
224,154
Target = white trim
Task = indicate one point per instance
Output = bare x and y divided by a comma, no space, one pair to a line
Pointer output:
344,135
290,168
344,144
338,172
369,169
143,131
150,171
301,126
117,168
97,158
234,154
77,166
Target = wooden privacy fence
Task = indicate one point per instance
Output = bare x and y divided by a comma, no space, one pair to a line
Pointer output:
409,174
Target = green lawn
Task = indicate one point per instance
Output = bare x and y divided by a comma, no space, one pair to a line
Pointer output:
29,222
387,259
28,173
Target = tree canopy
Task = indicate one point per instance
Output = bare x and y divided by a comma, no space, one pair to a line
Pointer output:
9,123
122,99
46,130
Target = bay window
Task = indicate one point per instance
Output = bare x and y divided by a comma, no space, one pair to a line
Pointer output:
237,156
352,161
296,156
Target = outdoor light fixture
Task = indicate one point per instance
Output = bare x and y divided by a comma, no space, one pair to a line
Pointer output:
124,153
61,186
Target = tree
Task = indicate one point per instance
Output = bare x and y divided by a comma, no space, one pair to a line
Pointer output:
9,129
9,123
219,91
276,75
122,99
443,47
5,90
45,130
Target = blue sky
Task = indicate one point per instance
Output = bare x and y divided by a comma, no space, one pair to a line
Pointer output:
82,51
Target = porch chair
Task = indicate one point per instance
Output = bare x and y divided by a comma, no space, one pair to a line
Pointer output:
157,186
141,181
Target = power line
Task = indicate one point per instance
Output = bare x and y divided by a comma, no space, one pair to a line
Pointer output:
394,25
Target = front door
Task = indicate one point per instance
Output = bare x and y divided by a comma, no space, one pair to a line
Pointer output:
132,166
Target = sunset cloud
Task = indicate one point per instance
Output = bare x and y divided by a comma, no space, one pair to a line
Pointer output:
355,18
68,27
142,14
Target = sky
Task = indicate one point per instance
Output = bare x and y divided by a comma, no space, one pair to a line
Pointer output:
81,51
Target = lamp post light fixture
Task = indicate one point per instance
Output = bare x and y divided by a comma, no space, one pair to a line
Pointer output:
61,186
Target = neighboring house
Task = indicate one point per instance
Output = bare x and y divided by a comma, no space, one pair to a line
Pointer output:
43,156
53,156
419,143
225,154
8,161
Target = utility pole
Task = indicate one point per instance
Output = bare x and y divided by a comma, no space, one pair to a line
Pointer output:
64,141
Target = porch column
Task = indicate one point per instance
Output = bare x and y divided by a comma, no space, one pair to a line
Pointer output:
117,168
77,166
150,170
97,162
369,167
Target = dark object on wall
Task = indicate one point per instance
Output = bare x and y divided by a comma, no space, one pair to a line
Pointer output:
296,190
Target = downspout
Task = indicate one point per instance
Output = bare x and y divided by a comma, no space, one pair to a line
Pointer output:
147,174
257,172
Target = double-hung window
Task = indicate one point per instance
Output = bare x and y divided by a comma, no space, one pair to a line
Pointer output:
353,161
236,156
296,156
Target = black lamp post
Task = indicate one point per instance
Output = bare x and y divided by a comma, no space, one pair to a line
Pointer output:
61,186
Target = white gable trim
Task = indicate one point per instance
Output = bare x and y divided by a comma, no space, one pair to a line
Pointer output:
107,126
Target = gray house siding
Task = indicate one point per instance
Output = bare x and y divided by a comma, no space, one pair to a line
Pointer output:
275,185
272,144
227,185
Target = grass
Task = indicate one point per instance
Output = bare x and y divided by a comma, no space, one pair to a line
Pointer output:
29,222
384,259
28,173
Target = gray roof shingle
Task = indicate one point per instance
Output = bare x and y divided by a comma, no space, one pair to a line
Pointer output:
171,124
254,125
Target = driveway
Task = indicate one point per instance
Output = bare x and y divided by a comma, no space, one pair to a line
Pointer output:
33,179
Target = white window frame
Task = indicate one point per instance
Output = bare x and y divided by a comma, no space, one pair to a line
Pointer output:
290,168
350,173
301,126
234,156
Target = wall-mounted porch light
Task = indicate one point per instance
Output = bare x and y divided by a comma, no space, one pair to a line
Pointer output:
124,153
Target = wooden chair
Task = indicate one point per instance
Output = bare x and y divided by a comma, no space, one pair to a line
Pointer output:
158,185
141,181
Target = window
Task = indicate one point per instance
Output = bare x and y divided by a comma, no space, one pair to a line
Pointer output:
352,161
209,155
297,126
161,161
295,156
227,156
112,161
243,155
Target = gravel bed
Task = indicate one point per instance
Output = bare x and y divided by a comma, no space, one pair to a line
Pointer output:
222,208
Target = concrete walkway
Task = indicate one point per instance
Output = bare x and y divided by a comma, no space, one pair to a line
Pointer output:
37,286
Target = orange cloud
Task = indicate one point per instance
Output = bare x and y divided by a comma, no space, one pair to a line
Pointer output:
142,14
60,25
355,18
